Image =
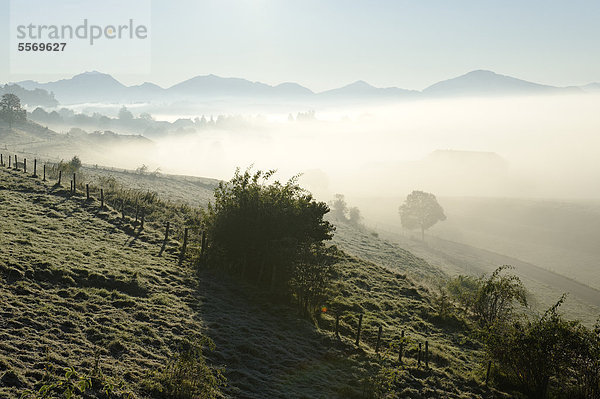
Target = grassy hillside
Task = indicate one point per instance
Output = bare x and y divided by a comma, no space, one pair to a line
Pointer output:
481,234
74,283
106,147
77,283
195,191
557,235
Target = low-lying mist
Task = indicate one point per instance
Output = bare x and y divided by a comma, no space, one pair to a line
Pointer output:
502,147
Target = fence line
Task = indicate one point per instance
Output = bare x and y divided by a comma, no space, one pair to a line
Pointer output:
130,213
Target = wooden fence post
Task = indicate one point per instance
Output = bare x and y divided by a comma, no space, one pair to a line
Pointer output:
59,176
74,184
1,159
35,167
9,159
487,374
419,355
101,198
184,247
426,354
123,209
16,163
360,317
164,245
87,191
378,338
401,348
44,179
25,165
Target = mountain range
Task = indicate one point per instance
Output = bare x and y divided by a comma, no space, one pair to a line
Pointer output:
100,87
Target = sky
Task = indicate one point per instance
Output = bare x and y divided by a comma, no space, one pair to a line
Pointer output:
323,44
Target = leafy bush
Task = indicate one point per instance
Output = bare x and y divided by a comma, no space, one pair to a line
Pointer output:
187,376
497,296
271,235
74,384
464,290
490,300
548,356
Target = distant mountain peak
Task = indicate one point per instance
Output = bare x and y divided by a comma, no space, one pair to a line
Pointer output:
94,72
481,72
485,83
359,83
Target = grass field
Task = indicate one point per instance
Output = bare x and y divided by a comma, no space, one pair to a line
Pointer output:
75,282
481,234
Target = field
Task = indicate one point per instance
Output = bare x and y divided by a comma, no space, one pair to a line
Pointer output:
549,243
78,282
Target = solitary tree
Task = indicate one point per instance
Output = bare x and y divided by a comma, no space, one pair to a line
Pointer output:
125,114
354,216
75,163
10,109
421,210
339,207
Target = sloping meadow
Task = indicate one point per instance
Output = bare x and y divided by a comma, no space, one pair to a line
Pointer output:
81,288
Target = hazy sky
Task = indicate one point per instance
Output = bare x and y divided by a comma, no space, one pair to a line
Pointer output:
327,43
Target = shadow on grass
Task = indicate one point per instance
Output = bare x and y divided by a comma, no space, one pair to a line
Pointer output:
268,350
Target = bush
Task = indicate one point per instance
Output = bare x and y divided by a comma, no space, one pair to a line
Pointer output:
464,290
271,235
497,295
548,356
67,168
187,376
490,300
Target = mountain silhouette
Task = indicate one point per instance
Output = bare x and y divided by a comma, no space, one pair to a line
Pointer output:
100,87
487,83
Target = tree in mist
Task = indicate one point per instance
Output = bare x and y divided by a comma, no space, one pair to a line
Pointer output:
146,116
339,207
354,216
125,114
421,211
75,163
306,116
11,110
